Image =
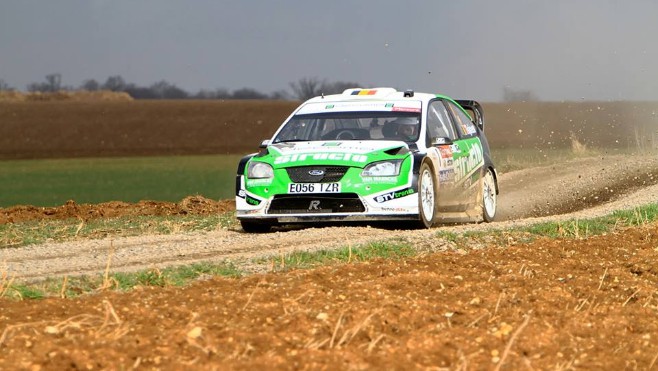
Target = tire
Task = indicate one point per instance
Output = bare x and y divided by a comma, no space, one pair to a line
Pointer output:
255,227
427,194
489,197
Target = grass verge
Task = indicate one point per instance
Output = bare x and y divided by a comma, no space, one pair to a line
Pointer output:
73,287
41,231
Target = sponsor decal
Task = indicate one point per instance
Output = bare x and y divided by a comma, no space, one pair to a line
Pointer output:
468,182
393,209
394,195
258,182
252,201
446,175
242,193
464,165
314,205
365,92
405,109
300,157
446,151
353,106
379,179
455,148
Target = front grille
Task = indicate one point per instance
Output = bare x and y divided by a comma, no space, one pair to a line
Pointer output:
330,174
316,203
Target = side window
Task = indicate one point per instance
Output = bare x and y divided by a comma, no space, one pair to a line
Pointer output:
438,122
465,126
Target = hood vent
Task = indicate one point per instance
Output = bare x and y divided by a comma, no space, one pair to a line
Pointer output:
402,150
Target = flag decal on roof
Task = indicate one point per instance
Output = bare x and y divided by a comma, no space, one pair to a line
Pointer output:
364,92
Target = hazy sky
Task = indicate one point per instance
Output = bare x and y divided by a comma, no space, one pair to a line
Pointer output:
558,49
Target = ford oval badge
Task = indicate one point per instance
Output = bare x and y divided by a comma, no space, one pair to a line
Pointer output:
316,172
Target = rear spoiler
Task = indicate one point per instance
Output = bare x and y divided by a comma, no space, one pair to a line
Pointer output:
476,111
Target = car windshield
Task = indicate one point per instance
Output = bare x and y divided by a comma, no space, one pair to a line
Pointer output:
351,126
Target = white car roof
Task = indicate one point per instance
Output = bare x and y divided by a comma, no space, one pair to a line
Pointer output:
374,99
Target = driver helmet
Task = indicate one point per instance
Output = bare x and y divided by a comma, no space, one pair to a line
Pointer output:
407,125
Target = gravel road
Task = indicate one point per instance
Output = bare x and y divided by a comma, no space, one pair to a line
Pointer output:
580,188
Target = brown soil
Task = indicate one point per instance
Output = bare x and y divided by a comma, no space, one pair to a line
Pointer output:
97,129
193,205
551,304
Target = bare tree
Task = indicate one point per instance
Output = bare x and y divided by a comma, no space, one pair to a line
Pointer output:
115,83
4,86
90,85
280,95
309,87
222,93
338,87
306,87
53,83
165,90
248,93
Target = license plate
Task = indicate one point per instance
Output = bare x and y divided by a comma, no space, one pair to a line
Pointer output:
314,188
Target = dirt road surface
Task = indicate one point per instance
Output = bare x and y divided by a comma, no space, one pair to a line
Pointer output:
562,304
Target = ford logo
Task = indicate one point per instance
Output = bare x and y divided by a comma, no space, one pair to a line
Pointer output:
316,172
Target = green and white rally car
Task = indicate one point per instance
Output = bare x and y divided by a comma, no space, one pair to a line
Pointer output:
367,155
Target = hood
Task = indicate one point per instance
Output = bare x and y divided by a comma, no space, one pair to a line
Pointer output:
342,153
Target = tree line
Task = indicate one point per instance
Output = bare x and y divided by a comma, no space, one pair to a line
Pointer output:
302,89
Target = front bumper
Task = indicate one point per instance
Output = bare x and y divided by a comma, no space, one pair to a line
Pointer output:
395,204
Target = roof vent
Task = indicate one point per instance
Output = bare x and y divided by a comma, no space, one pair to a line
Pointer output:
408,93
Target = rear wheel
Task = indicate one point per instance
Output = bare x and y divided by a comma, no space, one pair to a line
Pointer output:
489,197
255,227
427,193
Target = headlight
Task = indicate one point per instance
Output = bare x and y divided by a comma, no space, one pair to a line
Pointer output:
382,168
259,170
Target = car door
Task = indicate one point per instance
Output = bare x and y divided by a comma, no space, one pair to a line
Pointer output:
441,138
468,156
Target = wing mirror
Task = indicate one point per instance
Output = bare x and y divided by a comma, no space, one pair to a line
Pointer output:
264,144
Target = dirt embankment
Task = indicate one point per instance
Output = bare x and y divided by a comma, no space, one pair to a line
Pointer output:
193,205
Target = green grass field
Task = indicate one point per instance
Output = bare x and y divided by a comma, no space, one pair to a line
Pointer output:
130,179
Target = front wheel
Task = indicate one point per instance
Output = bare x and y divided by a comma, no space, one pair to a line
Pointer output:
489,197
427,193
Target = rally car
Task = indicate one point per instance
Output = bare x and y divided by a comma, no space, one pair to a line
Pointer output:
368,155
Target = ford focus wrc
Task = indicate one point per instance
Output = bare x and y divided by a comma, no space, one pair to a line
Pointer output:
367,155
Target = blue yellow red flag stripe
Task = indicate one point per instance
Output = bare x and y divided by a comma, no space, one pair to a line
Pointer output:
364,92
